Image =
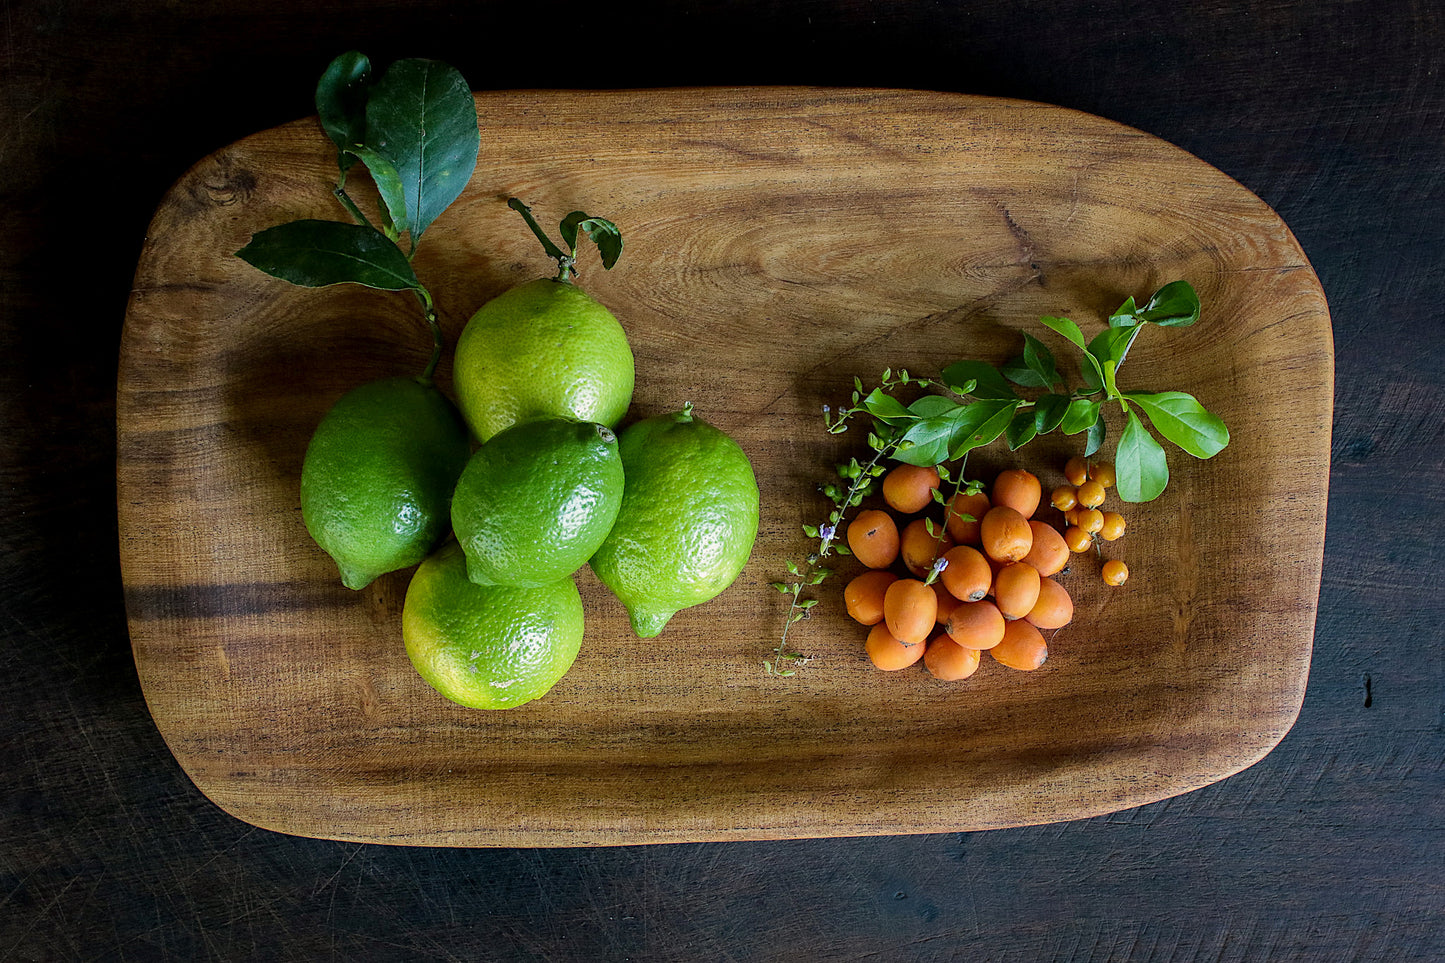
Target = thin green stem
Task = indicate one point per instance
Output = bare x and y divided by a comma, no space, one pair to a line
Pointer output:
438,342
565,261
348,203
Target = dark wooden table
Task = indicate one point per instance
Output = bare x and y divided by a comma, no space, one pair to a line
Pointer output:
1333,111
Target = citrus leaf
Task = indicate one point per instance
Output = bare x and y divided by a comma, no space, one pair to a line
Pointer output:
989,382
1179,417
388,185
1094,440
341,103
602,232
995,417
1139,463
421,117
880,404
1041,361
1049,412
1126,315
314,254
1080,416
1065,327
1021,429
1175,305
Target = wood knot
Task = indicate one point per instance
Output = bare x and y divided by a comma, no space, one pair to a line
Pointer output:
226,183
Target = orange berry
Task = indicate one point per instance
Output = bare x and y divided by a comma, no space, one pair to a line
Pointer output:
873,538
863,597
1023,647
1054,609
1113,527
1071,517
976,625
1091,494
1115,572
1049,552
888,653
1019,490
1077,539
946,602
1076,470
1006,534
1091,520
1064,497
968,576
920,548
910,610
909,488
948,661
1016,589
965,531
1103,473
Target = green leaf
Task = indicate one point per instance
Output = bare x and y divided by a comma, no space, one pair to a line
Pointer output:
990,382
928,406
1018,371
1049,412
1041,361
1080,416
602,232
341,103
388,185
1183,420
1139,464
1108,346
317,253
1095,438
1021,429
1126,315
421,117
883,406
1175,305
1065,327
987,420
927,440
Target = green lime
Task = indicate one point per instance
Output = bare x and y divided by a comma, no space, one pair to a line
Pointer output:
544,348
377,480
488,646
688,520
537,500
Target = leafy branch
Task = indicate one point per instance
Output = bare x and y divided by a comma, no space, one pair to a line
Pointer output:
415,131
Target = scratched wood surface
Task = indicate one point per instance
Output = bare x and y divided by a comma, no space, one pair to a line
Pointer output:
783,241
1326,849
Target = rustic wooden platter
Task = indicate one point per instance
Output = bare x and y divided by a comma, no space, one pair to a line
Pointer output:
780,242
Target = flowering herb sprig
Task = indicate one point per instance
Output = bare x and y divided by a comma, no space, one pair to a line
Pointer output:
981,403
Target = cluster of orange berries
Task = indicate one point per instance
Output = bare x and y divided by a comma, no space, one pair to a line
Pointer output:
983,581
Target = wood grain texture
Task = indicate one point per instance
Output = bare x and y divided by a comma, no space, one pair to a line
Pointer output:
780,241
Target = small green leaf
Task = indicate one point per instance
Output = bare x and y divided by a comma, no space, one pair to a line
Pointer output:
928,406
1108,347
1049,412
841,549
341,103
388,185
1183,420
1021,429
807,604
1175,305
420,116
887,408
1080,416
1140,467
793,569
989,382
1095,438
781,587
1126,315
996,421
602,232
1065,327
1041,361
1018,371
810,530
315,253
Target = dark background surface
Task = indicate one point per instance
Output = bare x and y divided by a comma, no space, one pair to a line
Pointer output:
1328,849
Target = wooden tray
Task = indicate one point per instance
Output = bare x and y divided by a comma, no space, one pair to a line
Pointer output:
779,242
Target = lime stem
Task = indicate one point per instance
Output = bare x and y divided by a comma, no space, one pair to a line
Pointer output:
565,262
438,342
